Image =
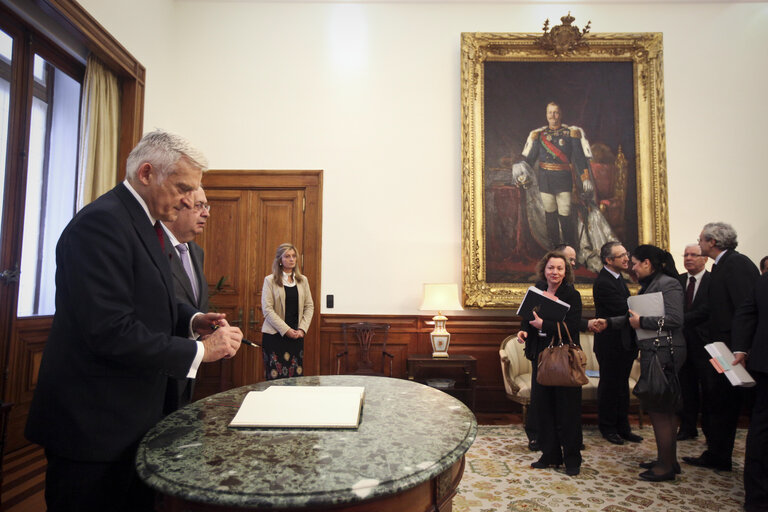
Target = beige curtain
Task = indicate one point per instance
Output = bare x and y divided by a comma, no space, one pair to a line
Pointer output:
99,132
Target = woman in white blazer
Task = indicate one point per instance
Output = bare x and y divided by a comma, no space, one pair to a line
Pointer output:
286,303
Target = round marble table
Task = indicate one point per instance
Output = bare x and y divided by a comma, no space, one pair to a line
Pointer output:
407,453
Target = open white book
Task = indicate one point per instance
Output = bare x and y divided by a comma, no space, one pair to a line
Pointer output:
301,407
722,357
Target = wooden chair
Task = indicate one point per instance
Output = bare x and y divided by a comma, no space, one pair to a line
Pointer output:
364,333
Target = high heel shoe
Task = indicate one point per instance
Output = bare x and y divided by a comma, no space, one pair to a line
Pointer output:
650,476
651,463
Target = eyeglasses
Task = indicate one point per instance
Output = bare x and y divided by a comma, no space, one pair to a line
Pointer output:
620,256
201,206
692,255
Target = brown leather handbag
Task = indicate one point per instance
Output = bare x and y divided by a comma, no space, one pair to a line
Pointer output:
562,364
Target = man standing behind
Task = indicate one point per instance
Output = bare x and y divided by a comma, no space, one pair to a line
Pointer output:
188,279
732,279
615,347
696,366
118,333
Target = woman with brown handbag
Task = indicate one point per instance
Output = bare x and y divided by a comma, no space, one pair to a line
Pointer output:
558,408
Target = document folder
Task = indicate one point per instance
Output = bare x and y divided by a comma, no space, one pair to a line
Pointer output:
723,356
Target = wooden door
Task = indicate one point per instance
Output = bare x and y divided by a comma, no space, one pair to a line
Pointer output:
252,212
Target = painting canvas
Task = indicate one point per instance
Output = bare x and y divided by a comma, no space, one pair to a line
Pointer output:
596,173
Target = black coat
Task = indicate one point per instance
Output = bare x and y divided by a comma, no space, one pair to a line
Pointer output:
111,349
750,327
535,343
611,300
695,323
731,283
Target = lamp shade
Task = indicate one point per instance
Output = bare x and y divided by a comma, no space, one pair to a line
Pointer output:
441,297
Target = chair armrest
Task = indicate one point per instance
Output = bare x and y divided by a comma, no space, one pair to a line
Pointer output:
509,385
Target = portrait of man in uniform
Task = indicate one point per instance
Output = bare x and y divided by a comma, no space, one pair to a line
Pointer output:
569,181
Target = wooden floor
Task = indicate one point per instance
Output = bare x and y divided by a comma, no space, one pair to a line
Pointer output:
23,480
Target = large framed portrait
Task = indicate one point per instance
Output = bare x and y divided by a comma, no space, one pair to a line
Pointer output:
563,143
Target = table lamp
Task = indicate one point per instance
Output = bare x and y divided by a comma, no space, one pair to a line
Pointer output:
440,297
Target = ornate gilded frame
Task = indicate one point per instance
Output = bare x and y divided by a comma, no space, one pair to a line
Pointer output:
644,51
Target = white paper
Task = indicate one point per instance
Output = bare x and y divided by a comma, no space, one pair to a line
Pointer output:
301,407
737,375
647,304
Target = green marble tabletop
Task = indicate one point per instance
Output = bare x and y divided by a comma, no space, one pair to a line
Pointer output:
408,434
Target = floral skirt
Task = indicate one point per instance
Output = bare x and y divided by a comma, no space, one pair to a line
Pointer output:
283,357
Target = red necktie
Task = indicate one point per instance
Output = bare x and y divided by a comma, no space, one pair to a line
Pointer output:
689,291
159,231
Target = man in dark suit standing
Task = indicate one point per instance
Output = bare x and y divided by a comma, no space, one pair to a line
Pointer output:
615,348
188,279
732,278
118,333
696,285
750,342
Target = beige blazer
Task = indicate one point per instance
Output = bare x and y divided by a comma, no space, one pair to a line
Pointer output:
273,306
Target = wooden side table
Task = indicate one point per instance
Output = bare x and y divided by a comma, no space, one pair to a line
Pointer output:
461,368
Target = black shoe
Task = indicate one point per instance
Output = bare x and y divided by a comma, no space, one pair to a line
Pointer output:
651,463
533,445
543,464
684,436
614,438
705,461
632,438
650,476
572,471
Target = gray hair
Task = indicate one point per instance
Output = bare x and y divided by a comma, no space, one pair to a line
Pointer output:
163,150
606,251
723,234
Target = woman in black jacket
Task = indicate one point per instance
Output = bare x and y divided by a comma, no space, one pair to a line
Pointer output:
558,408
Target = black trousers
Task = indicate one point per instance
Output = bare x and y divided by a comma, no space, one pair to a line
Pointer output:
691,377
721,406
756,452
613,390
558,411
84,486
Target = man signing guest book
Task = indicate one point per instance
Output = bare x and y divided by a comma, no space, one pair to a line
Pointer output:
118,333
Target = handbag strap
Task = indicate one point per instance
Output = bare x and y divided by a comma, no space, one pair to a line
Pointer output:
568,332
669,340
559,337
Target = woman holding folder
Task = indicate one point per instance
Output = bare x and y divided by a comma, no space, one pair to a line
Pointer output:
656,272
558,409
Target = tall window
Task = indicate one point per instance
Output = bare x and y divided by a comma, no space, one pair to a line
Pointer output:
52,111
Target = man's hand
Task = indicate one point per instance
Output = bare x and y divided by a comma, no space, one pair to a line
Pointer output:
206,323
739,358
597,325
222,344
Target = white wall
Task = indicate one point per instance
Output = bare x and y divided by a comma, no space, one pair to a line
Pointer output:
370,93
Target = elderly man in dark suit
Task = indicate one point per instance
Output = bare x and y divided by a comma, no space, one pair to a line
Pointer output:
732,278
615,347
696,285
118,333
750,342
188,278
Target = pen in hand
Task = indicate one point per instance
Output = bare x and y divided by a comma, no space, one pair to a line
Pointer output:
247,342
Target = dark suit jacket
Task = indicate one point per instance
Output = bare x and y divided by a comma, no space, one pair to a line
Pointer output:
535,343
611,300
750,327
731,283
111,348
180,391
181,281
695,323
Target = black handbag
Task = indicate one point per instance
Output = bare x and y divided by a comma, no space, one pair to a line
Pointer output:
657,390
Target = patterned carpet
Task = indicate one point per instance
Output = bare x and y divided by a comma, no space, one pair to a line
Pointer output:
498,477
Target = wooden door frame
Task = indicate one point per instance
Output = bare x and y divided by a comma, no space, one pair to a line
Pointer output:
311,181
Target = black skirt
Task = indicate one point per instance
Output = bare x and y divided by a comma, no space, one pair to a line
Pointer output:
283,356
